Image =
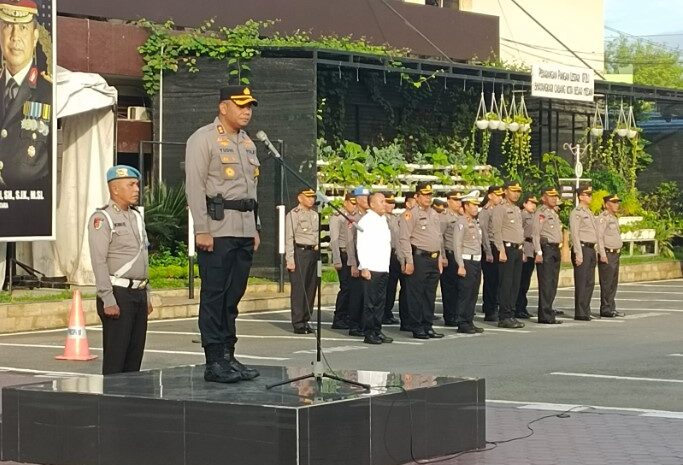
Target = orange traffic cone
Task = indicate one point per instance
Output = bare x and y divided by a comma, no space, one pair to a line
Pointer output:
76,347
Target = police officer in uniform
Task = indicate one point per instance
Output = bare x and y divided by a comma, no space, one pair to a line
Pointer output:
584,240
421,243
439,206
528,209
118,252
609,239
356,302
221,177
25,114
338,234
489,264
394,263
466,245
409,200
301,252
448,279
547,239
508,236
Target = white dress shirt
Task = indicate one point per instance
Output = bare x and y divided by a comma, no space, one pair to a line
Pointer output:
374,243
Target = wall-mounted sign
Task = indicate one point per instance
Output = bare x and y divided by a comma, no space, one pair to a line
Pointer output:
560,81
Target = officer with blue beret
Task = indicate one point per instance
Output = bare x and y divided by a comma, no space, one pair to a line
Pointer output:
118,252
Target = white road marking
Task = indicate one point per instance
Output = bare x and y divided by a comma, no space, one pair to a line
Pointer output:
45,373
675,355
638,316
565,407
152,351
624,378
640,291
333,349
40,331
554,407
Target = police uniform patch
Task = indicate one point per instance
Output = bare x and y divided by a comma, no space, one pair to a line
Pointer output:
97,223
256,172
220,129
408,215
461,227
229,173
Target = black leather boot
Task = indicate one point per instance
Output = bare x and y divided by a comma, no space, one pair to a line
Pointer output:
218,370
245,372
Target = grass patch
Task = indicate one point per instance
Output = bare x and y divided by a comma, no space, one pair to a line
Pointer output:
34,296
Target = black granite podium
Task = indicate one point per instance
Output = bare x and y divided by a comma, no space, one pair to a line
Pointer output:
171,416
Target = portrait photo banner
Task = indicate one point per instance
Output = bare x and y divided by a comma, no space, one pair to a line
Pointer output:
28,123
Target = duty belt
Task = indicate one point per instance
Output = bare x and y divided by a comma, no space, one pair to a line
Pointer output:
588,244
307,247
129,283
512,244
475,258
425,253
612,250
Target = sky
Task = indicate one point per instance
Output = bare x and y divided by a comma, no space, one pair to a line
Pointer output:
644,17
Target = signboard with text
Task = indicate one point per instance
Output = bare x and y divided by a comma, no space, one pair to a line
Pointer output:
562,82
27,120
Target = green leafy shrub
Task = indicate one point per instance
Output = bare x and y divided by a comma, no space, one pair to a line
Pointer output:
166,216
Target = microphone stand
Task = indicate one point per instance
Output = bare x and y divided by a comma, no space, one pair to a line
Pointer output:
318,371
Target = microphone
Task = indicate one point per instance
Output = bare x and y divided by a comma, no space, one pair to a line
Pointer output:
260,135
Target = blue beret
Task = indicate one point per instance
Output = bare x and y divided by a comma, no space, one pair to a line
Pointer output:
360,190
122,172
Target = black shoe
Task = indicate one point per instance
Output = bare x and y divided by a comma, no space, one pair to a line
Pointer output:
355,332
518,323
340,325
523,316
558,312
450,323
552,322
372,339
466,329
384,338
434,335
491,318
508,323
420,335
221,372
304,330
245,372
583,318
477,329
390,321
611,315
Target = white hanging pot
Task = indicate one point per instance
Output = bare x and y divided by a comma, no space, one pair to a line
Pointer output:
596,132
502,126
632,133
493,124
513,127
623,132
526,127
482,124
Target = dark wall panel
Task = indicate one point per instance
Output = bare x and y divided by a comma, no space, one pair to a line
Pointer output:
286,91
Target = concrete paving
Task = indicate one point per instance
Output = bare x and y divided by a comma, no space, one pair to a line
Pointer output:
623,377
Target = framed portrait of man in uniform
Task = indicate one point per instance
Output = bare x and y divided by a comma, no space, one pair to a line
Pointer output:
27,121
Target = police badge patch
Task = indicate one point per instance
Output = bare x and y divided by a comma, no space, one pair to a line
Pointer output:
97,223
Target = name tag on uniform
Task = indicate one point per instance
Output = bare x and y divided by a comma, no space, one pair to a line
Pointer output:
228,159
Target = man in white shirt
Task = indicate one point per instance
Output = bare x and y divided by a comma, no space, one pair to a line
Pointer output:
374,255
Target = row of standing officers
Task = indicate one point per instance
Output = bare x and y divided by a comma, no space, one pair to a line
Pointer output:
453,243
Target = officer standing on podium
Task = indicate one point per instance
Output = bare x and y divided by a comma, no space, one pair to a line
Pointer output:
547,239
421,244
301,252
221,176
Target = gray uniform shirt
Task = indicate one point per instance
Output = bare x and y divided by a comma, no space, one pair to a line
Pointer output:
110,250
466,238
220,163
546,227
506,224
608,232
485,222
582,229
351,238
420,228
448,219
527,226
301,227
338,227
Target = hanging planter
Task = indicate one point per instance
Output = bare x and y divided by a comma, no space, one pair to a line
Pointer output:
631,124
523,117
597,128
503,115
513,126
480,120
493,116
622,122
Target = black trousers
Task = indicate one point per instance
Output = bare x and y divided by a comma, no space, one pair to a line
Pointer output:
584,282
490,273
449,288
304,284
392,284
403,301
468,291
224,274
509,276
609,280
524,283
123,339
548,274
421,293
375,292
356,303
341,307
